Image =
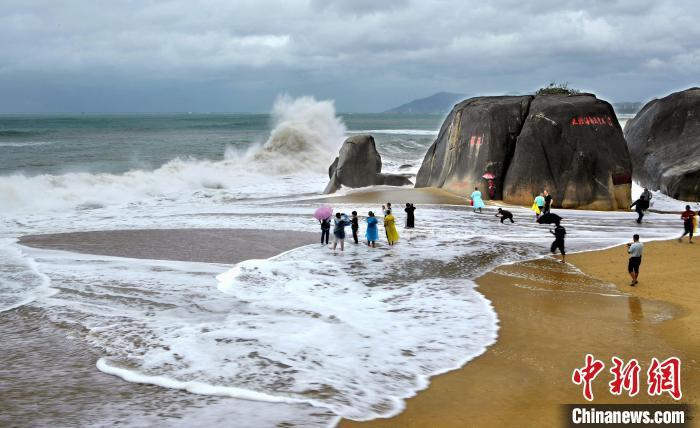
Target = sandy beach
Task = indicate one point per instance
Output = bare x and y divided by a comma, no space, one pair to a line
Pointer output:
551,315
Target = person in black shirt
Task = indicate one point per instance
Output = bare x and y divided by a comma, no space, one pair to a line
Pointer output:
354,226
505,215
559,233
325,230
410,218
640,205
547,202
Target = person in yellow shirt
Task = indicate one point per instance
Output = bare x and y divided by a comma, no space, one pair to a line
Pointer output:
392,235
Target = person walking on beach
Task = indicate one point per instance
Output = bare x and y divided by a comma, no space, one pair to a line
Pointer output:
688,218
341,220
492,190
559,233
477,202
372,232
539,202
410,218
547,202
505,215
354,226
392,235
635,251
640,205
325,230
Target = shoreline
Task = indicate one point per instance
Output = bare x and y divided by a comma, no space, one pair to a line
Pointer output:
550,316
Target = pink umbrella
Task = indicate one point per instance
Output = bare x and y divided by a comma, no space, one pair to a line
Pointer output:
323,212
488,176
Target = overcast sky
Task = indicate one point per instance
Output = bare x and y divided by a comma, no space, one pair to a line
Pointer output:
368,55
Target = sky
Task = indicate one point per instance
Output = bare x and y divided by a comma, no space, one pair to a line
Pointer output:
367,55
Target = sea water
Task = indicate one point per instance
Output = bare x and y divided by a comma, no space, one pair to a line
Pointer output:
302,338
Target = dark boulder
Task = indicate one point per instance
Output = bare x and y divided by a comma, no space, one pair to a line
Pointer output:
359,165
664,144
573,146
477,137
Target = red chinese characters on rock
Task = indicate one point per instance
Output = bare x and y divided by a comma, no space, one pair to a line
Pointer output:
661,377
665,377
624,377
586,374
476,140
591,120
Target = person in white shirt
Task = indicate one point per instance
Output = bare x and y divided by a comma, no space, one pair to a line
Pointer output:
635,251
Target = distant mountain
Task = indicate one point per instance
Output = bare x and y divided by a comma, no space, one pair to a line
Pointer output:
439,103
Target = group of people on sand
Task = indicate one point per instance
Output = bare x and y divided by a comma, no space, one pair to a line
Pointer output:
341,221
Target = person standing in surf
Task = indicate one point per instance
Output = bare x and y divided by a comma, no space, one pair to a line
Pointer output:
559,233
392,235
355,226
372,232
477,202
410,219
688,217
641,205
635,250
539,202
341,220
547,202
325,230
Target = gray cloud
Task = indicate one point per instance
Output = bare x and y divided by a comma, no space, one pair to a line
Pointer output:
222,55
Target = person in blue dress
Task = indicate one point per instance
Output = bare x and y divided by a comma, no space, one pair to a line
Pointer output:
372,233
477,202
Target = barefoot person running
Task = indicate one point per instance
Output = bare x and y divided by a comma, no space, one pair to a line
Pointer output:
635,251
688,218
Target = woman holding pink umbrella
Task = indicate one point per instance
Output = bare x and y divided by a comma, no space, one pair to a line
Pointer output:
323,215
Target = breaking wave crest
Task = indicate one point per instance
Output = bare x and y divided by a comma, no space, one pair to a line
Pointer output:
305,133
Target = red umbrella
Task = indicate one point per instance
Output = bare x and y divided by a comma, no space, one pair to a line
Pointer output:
488,176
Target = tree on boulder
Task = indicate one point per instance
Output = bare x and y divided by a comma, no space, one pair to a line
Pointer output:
359,165
664,144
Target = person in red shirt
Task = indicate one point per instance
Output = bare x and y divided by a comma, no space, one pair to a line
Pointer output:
688,217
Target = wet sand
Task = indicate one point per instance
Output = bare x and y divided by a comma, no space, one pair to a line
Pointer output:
552,315
193,245
399,196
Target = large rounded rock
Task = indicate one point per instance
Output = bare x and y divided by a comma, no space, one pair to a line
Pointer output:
477,138
573,146
664,143
359,165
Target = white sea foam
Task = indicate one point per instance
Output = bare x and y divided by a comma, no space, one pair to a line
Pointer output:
21,282
24,143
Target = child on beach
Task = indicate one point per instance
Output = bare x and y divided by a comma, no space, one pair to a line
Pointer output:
410,219
392,235
325,230
635,251
505,215
355,226
688,218
387,208
341,220
477,202
559,233
372,232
